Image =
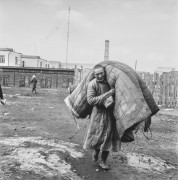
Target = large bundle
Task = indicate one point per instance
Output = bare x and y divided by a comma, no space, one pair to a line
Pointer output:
133,100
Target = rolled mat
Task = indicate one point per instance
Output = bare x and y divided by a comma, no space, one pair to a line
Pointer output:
134,102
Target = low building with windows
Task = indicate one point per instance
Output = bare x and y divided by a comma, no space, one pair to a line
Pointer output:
8,57
47,78
33,61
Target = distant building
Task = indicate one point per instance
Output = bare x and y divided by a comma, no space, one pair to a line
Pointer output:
33,61
47,78
8,57
53,64
17,69
77,65
161,70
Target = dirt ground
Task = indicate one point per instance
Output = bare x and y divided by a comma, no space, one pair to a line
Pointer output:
35,143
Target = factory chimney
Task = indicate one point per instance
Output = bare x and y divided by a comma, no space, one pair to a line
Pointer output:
106,53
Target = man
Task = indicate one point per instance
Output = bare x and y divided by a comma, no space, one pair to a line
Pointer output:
102,135
34,82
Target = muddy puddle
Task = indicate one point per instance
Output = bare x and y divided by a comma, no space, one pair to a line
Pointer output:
146,163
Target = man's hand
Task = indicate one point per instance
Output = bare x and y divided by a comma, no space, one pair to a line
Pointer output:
111,92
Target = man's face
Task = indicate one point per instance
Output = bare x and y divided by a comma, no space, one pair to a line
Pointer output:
100,74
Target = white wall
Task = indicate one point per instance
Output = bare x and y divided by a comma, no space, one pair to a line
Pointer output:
5,54
29,62
33,62
10,58
41,63
54,64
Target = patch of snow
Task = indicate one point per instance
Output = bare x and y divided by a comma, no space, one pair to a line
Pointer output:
5,114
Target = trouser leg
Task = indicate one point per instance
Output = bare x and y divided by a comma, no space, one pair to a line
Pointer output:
95,154
104,156
34,89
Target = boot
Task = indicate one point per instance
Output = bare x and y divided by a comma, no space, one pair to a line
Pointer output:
95,155
104,156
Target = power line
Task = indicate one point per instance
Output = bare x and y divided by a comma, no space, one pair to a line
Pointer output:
67,48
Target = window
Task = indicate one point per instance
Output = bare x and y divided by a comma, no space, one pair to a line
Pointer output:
2,59
16,60
40,64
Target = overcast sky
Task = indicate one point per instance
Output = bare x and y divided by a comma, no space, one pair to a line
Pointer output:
142,30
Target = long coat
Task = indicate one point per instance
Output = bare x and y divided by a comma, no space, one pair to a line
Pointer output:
102,132
34,82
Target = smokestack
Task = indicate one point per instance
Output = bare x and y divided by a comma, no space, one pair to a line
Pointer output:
106,53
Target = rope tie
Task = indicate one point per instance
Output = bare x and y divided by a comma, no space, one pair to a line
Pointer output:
77,130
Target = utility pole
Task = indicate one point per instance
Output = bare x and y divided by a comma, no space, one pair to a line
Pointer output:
67,48
135,65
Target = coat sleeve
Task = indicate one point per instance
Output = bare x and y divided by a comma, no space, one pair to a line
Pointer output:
92,97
